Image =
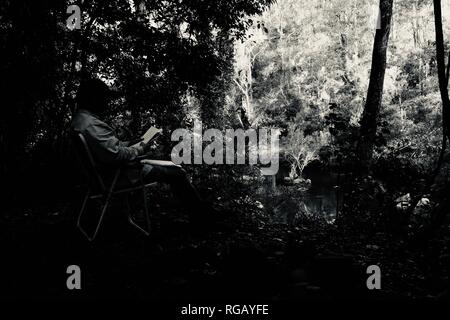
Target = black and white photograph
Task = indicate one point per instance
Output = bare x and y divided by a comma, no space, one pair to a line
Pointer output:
225,159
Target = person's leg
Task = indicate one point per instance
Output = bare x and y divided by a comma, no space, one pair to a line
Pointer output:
203,216
176,177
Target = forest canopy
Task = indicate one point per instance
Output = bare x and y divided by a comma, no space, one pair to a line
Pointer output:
300,66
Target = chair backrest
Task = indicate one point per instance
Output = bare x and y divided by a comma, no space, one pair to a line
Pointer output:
87,161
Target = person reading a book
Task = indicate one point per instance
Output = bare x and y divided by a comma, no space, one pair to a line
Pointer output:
93,100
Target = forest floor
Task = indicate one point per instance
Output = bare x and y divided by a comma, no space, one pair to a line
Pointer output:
252,258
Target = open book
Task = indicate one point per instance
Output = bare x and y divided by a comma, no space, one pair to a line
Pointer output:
149,135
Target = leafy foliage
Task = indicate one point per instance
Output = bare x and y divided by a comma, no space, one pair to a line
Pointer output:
155,53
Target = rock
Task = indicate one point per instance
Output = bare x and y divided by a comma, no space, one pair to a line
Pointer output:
403,202
422,207
423,202
404,198
259,205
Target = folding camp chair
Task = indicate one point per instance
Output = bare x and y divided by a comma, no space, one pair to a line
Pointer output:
99,189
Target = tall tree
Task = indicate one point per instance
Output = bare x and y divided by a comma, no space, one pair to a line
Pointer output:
372,107
443,78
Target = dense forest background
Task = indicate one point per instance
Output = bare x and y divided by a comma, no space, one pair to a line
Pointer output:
363,164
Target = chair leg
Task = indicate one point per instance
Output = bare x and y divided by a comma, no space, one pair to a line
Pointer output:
83,206
97,227
147,216
105,206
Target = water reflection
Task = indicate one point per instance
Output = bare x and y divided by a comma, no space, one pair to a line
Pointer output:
323,198
321,202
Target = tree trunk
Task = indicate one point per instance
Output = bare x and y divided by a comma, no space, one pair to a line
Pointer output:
443,76
440,57
369,119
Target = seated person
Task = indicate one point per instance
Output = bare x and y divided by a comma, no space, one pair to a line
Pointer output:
93,99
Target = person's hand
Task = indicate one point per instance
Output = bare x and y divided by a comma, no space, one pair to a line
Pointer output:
135,141
146,146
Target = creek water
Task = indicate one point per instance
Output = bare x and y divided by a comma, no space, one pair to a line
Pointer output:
323,198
